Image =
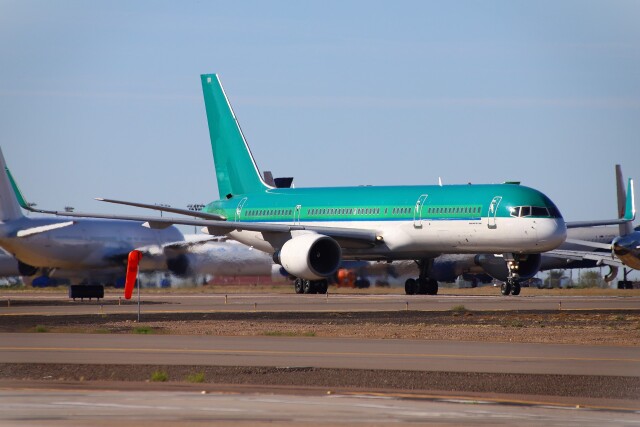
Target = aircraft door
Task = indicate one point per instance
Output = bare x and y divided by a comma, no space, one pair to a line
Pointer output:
417,212
296,214
493,212
239,208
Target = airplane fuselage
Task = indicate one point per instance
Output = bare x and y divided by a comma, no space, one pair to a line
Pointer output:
75,244
413,222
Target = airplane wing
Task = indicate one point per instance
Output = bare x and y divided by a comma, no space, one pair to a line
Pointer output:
196,214
601,258
629,213
346,237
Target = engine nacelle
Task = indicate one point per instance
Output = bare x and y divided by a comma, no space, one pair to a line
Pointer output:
26,269
310,256
180,265
496,267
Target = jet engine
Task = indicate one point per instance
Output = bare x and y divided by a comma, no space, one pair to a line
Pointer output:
26,269
179,265
309,256
226,258
496,266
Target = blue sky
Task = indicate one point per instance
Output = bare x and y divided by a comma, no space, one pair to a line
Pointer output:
103,99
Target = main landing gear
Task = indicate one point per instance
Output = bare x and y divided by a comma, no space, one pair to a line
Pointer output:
304,286
423,285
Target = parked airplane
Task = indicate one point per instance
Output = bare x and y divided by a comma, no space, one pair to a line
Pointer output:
8,265
73,244
623,250
485,267
309,231
201,254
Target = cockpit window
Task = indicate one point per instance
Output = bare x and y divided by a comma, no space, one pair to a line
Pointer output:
539,211
536,211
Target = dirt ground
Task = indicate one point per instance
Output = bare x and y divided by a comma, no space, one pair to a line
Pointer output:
618,327
605,327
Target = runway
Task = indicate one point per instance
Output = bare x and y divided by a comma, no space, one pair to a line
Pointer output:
419,355
160,408
39,304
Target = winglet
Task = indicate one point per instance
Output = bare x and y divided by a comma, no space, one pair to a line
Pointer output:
630,211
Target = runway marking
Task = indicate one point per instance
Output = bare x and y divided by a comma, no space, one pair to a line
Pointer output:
316,353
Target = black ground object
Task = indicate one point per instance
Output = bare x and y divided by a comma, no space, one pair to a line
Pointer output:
86,291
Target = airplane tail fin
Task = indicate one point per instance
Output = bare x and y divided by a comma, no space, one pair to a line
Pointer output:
236,170
9,204
630,211
626,205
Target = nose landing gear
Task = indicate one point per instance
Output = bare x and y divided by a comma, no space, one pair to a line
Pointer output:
512,285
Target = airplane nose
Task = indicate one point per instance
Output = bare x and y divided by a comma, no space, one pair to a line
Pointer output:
551,234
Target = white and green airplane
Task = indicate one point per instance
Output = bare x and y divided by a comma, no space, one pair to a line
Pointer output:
309,231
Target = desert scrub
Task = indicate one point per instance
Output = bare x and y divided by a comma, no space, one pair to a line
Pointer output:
159,376
143,330
196,378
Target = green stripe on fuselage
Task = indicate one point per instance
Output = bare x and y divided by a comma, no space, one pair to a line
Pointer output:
463,202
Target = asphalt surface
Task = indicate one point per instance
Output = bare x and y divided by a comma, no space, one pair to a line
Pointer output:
50,379
449,356
38,304
163,408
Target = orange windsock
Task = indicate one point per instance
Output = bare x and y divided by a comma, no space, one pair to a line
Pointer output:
132,272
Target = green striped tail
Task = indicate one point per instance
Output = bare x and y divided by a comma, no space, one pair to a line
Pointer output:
236,170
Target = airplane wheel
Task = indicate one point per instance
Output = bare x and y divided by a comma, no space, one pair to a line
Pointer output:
307,287
422,286
410,286
322,286
297,285
505,289
515,289
432,287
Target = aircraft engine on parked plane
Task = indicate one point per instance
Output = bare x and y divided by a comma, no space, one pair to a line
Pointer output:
310,256
219,258
526,266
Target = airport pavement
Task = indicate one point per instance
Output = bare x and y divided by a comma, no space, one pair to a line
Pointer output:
39,304
390,354
38,407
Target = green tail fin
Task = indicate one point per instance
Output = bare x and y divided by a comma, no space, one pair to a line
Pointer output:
236,170
9,203
630,211
21,200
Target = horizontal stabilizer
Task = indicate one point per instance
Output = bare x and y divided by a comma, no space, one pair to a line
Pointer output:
43,229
